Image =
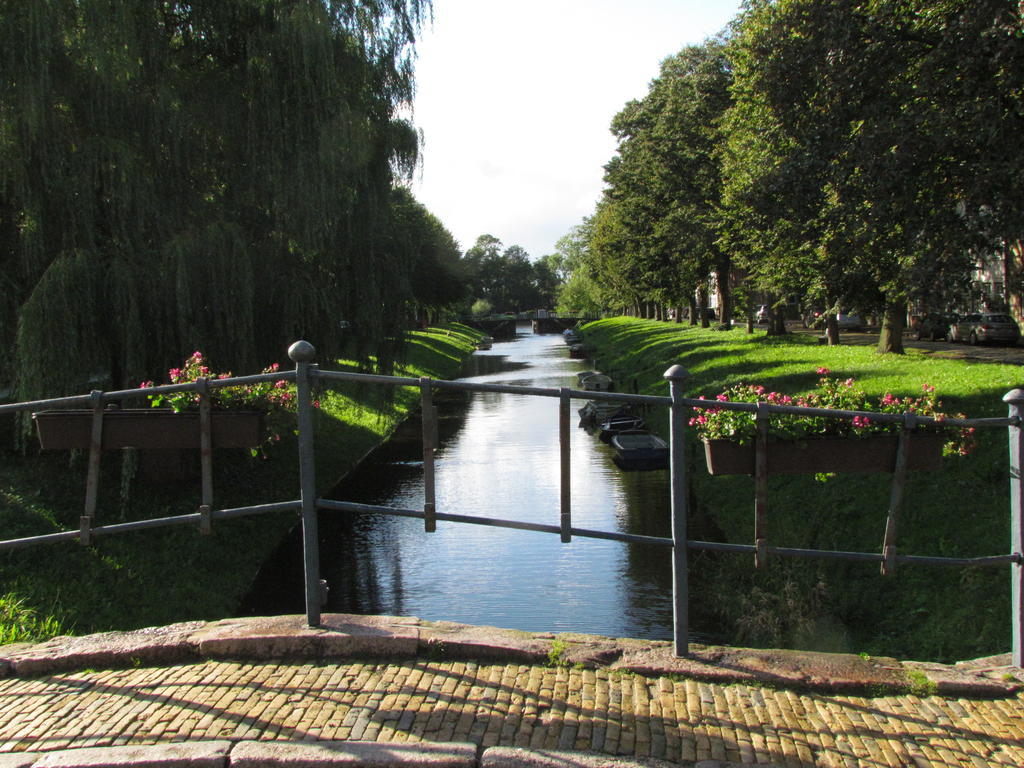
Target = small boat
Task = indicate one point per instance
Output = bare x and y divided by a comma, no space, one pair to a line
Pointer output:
577,351
485,343
597,382
583,374
619,423
593,413
640,450
572,337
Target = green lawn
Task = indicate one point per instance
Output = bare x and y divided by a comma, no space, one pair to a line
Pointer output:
963,510
173,574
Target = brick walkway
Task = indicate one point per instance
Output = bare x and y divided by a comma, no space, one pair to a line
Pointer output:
504,705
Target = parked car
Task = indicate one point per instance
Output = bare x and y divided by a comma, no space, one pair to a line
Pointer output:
815,318
761,316
935,326
985,327
850,322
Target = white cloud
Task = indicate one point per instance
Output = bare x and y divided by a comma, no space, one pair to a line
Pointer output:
515,102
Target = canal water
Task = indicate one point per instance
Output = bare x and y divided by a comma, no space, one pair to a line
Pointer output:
498,458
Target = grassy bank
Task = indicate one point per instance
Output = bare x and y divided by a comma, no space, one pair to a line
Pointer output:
963,510
164,575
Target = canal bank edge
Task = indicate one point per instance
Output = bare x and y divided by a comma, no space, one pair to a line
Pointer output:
390,637
324,754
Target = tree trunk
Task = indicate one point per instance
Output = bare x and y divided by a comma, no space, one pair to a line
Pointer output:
1013,256
776,322
679,314
724,295
890,340
702,298
832,329
693,311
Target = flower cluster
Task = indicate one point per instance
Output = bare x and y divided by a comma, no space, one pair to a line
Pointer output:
834,393
266,396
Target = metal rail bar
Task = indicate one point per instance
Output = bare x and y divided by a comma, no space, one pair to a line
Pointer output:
508,389
192,518
493,522
53,403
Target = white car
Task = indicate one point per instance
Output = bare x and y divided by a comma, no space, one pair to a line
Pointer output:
850,322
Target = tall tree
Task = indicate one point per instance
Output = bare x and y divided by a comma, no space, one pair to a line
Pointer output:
211,173
666,179
848,169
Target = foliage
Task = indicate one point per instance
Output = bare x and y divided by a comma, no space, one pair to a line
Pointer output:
579,291
22,624
204,174
664,183
506,278
833,393
859,133
481,308
841,153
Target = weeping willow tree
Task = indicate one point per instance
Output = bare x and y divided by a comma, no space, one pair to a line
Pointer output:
213,174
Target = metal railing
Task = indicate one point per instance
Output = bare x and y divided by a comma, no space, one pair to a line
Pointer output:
307,374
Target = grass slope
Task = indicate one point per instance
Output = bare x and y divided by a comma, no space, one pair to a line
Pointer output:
173,574
923,611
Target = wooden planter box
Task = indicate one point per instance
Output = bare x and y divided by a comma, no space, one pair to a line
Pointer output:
148,429
824,454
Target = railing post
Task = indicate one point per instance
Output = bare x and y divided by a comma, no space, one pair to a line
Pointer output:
565,483
761,485
899,481
429,425
1015,399
205,442
92,481
676,375
303,353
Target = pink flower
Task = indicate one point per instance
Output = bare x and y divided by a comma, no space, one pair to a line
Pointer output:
722,398
823,371
889,399
927,387
145,384
848,383
861,421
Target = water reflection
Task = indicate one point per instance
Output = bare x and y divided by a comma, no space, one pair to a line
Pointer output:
498,457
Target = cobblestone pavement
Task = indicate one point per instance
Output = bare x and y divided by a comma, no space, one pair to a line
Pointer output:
505,705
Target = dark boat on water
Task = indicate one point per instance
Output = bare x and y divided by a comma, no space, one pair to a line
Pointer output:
640,450
621,422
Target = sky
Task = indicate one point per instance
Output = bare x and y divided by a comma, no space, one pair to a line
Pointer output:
515,100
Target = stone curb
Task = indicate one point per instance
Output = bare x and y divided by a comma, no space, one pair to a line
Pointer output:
330,754
351,636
